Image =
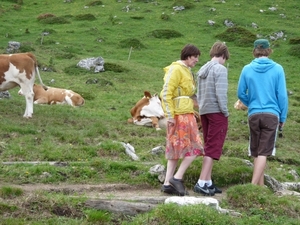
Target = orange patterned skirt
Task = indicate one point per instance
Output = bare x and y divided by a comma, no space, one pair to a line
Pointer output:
183,139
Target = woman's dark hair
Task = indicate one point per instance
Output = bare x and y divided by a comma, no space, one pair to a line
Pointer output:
189,50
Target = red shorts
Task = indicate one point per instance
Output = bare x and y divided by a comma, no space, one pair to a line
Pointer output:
214,128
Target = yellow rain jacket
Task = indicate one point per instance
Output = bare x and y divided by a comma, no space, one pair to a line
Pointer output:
179,86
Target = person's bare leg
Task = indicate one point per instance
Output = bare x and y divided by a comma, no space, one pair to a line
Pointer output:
206,170
186,162
171,166
262,180
258,171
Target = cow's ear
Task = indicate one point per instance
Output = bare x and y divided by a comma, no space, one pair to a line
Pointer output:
147,94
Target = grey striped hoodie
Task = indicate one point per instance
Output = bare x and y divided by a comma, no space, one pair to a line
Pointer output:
212,88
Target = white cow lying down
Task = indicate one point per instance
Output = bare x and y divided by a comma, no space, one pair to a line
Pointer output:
55,96
149,112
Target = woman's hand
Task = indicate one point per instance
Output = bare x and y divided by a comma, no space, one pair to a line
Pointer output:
171,122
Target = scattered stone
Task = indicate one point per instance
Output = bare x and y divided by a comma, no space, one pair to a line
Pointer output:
211,22
157,169
45,175
272,8
254,25
214,203
273,183
228,23
178,8
158,150
89,63
4,94
13,47
129,149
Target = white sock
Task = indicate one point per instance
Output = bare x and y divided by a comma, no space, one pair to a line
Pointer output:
208,182
201,183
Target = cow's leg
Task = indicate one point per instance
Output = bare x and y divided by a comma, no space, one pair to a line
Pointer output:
155,122
68,100
41,101
27,90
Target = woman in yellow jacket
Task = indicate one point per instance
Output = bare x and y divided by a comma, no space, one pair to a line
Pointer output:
183,140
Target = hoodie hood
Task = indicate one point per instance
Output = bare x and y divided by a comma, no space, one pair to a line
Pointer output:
262,65
178,62
204,70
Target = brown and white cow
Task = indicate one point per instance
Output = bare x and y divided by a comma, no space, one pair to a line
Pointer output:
54,95
19,70
149,112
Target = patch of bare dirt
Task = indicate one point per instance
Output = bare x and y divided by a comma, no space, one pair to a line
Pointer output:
108,191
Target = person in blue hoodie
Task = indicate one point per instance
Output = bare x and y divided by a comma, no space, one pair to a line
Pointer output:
262,88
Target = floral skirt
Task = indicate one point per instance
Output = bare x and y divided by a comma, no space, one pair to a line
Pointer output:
183,139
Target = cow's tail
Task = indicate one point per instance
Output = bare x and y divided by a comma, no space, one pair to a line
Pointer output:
37,69
41,82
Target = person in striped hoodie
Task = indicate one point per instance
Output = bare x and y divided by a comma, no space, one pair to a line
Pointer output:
212,101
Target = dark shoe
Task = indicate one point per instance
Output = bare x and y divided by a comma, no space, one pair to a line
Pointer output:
203,190
169,189
214,189
178,185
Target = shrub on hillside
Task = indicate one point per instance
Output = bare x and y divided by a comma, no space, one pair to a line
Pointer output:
75,70
45,15
187,4
26,47
94,3
88,16
295,50
114,67
239,35
54,20
131,42
137,17
294,41
164,16
165,34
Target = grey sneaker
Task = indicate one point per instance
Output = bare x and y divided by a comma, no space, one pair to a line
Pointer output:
178,185
169,189
203,190
214,189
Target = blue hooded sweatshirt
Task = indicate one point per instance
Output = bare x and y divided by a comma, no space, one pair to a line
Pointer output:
262,88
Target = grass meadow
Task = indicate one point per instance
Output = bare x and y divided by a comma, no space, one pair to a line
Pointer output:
137,39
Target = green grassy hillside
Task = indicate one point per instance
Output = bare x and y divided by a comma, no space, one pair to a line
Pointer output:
137,39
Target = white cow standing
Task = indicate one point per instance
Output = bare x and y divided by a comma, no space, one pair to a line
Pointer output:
20,70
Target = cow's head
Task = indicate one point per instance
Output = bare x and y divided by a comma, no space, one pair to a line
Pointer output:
153,107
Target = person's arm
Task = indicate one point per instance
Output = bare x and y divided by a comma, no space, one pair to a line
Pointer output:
242,89
221,84
171,83
282,96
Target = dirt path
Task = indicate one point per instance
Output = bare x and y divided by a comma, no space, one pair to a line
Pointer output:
107,191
